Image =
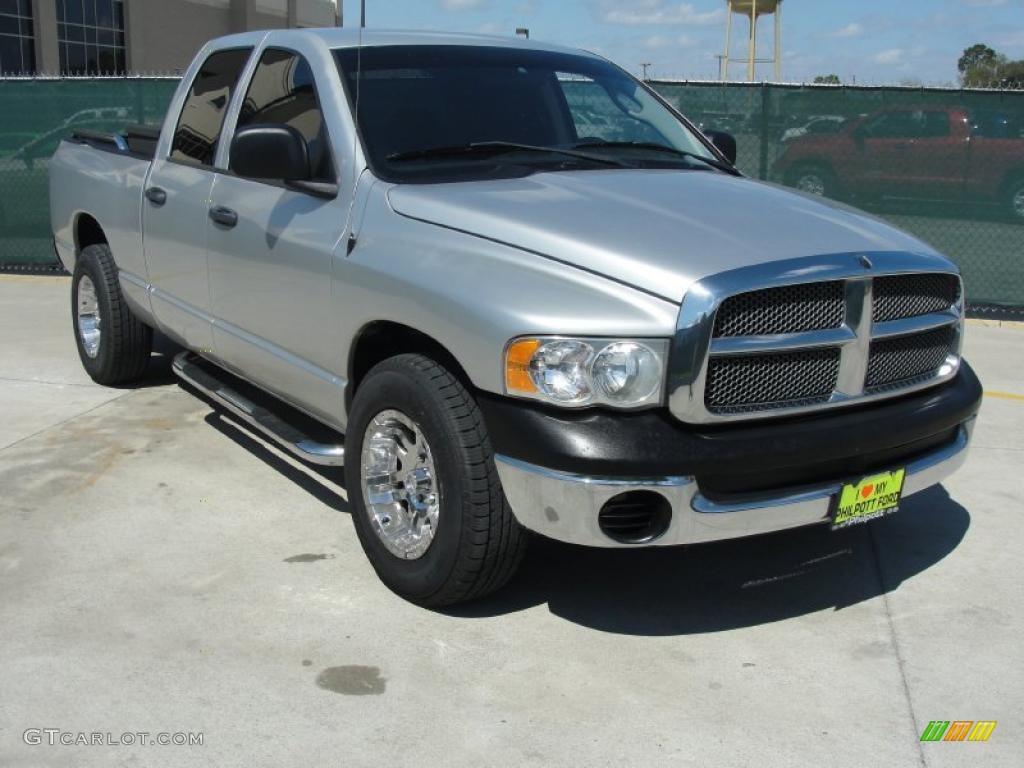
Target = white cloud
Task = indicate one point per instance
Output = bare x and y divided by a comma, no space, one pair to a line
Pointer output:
890,56
656,42
853,29
639,12
491,28
462,5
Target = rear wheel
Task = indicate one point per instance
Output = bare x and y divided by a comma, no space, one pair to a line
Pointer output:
113,344
426,500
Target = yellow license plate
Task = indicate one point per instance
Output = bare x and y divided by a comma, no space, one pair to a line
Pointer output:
872,497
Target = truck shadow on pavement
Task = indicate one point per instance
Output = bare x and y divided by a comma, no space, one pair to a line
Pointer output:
731,584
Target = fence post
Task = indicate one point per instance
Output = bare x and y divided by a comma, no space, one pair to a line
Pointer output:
762,168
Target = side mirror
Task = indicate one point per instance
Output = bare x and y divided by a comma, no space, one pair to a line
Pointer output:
270,151
725,143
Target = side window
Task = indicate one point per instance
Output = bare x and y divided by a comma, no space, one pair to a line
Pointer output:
195,139
935,125
282,91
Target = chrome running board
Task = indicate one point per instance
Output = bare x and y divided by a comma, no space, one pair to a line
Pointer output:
187,367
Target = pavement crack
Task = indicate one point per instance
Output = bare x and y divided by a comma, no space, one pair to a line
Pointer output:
62,422
48,383
894,641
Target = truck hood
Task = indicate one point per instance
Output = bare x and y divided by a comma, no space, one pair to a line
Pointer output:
658,230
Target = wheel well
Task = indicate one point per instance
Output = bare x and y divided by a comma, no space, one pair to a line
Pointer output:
379,340
805,165
88,232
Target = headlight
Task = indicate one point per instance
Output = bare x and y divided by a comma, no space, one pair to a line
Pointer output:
625,373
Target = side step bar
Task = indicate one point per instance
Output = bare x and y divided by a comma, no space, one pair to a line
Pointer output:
187,367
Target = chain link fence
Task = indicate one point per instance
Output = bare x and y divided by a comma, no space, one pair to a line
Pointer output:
944,164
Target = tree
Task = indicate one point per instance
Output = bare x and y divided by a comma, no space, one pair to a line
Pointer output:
828,79
979,66
978,55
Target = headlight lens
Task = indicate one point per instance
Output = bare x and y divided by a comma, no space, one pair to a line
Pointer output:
625,373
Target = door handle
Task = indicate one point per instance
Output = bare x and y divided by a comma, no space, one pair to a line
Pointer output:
156,196
224,216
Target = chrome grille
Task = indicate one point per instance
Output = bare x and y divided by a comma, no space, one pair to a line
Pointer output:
787,347
903,359
788,309
744,382
898,296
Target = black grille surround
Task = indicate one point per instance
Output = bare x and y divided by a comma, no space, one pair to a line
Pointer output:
806,344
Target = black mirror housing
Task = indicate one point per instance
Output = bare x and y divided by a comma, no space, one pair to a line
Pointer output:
270,151
725,143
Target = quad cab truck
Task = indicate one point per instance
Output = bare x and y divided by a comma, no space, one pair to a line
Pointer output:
419,257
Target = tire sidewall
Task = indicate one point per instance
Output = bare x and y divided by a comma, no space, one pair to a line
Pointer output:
88,265
391,386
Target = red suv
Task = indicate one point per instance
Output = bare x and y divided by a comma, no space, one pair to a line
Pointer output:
937,153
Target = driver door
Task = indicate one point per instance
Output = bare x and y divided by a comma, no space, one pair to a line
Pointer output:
271,264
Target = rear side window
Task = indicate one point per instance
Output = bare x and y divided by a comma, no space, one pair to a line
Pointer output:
195,139
282,91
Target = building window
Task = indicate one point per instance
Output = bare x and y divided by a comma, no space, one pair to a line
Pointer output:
90,35
17,43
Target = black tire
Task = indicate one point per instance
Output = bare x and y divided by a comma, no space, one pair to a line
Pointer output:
813,179
478,544
125,342
1013,195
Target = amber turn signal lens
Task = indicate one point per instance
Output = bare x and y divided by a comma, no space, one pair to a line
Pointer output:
517,365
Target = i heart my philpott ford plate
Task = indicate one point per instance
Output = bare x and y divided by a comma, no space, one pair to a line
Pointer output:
872,497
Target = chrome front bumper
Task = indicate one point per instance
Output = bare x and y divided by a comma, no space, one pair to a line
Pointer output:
565,506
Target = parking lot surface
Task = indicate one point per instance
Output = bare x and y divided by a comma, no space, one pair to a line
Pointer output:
164,571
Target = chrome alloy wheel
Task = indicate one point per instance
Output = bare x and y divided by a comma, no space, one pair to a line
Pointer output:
89,316
812,184
400,484
1017,203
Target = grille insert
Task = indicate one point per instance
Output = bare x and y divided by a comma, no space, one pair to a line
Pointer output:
899,296
787,309
755,382
906,359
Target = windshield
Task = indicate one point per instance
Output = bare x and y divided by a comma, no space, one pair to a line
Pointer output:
414,99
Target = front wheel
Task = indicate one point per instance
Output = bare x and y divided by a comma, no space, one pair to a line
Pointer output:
426,500
1015,199
813,180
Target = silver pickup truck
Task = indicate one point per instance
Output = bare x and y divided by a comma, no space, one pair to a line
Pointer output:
509,288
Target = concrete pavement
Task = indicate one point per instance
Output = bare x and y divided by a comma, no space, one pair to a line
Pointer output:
162,570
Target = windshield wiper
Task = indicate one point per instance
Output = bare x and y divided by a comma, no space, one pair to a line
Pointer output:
498,148
655,147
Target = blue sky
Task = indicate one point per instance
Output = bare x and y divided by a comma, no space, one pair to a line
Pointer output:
878,41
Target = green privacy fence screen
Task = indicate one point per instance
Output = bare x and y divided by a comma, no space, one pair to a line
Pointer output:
946,165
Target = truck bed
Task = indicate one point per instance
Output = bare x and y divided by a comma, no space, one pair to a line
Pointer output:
100,176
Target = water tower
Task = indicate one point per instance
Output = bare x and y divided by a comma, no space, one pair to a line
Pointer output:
753,9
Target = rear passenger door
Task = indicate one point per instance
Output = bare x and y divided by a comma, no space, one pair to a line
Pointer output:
174,208
270,272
